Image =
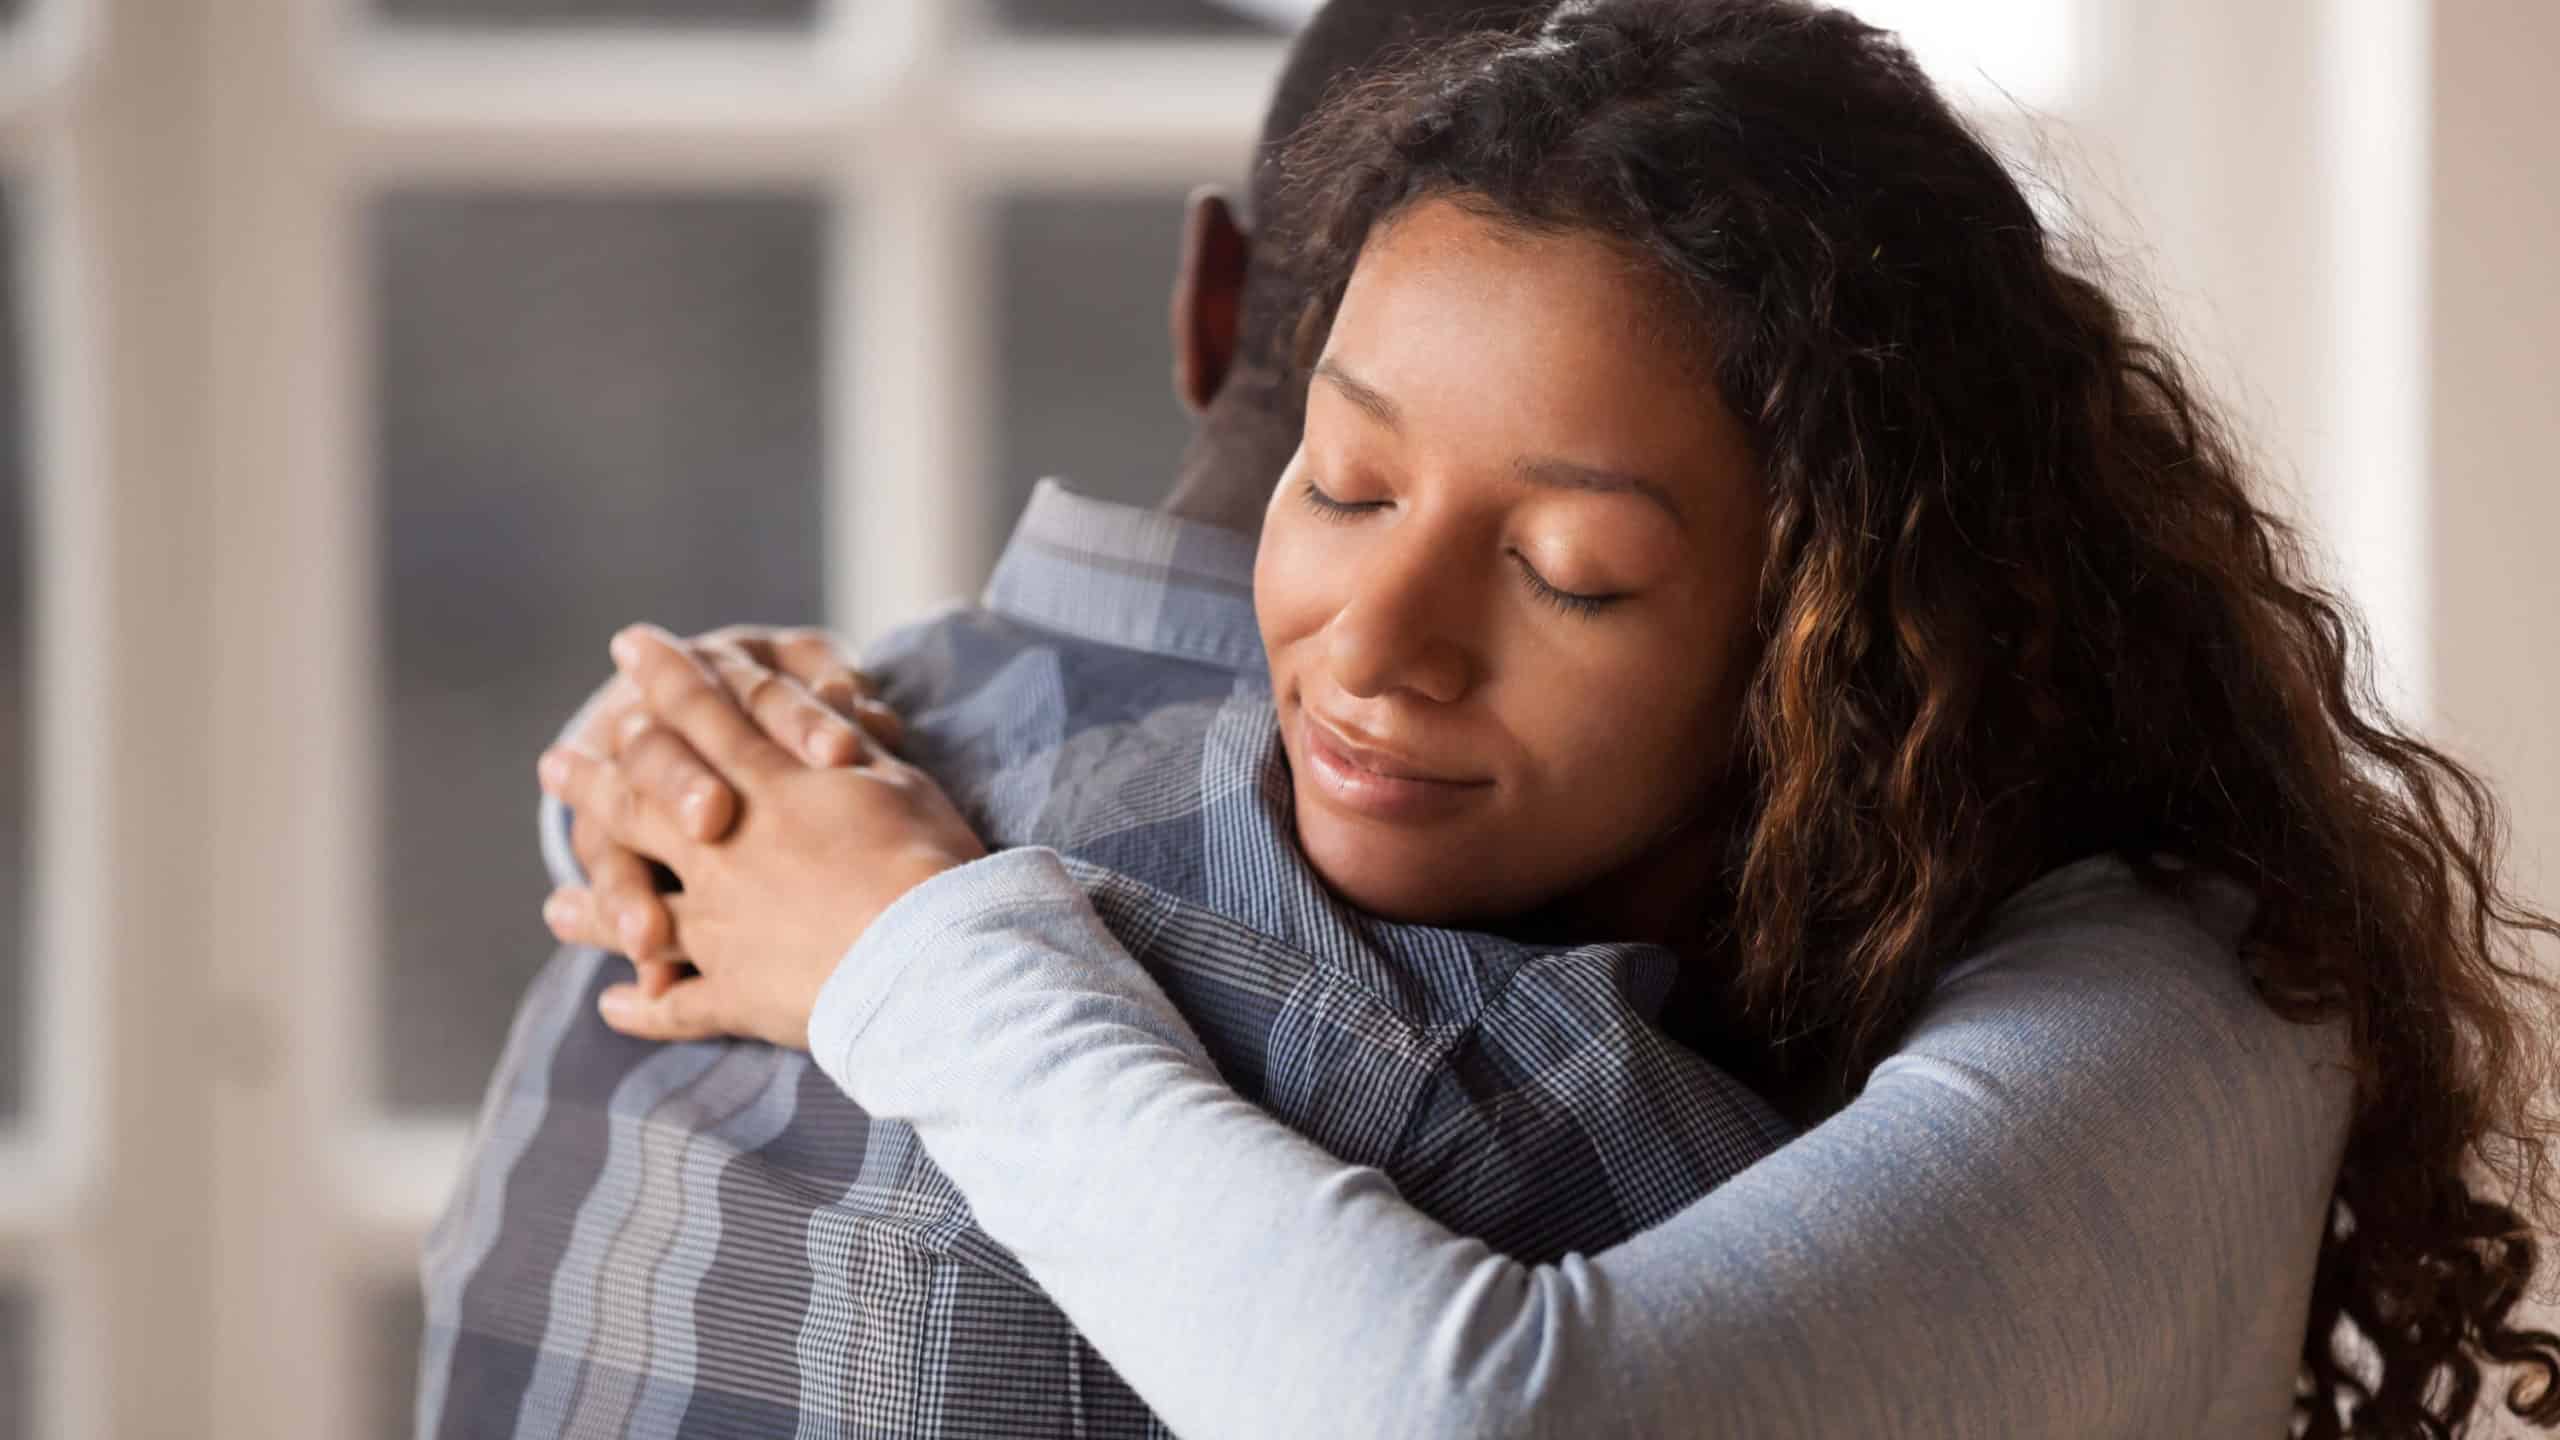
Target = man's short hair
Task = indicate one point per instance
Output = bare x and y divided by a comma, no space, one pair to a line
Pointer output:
1345,38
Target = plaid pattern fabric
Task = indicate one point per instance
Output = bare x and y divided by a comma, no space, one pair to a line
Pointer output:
710,1240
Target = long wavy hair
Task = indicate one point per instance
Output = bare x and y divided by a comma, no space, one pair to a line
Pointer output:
2020,606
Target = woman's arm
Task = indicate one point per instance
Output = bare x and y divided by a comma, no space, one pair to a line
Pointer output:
2097,1170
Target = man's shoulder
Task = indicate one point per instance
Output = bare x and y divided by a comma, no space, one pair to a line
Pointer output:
961,650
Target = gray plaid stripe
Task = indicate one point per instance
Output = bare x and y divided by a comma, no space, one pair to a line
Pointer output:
510,1116
1102,706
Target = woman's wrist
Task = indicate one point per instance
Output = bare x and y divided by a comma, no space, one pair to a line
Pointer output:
910,930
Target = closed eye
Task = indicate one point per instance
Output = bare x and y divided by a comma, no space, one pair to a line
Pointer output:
1330,508
1567,601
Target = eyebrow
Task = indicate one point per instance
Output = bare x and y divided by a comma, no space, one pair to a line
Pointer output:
1544,471
1363,394
1553,474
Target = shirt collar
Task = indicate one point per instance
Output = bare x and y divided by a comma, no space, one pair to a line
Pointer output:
1139,579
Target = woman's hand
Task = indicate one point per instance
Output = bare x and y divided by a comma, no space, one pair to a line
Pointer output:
812,857
800,688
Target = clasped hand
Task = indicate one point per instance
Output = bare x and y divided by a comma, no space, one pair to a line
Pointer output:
775,800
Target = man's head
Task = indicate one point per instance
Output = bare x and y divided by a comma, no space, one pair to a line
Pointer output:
1230,305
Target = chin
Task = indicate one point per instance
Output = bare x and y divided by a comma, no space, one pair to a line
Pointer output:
1406,879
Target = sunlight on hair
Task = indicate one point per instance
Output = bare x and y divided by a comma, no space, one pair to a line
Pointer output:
1985,51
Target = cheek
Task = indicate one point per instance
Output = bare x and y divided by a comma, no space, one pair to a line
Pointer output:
1620,728
1291,595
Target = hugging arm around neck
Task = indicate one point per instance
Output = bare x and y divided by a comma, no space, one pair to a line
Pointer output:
2029,1221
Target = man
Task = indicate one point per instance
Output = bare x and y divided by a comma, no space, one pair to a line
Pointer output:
710,1239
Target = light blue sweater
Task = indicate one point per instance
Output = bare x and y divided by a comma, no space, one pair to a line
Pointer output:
2083,1198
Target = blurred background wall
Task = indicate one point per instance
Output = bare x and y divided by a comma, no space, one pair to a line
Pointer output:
363,363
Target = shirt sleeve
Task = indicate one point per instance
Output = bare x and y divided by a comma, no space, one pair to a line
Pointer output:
2096,1164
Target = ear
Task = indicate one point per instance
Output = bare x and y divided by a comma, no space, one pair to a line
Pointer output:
1208,297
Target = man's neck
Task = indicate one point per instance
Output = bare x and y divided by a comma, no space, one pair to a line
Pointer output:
1236,455
1208,498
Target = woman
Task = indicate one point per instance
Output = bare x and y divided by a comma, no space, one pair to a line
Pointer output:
1973,609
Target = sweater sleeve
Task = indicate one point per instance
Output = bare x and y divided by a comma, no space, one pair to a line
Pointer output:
2089,1185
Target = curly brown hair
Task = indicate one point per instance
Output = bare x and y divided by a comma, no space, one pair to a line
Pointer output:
2020,607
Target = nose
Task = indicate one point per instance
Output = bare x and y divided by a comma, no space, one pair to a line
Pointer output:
1400,629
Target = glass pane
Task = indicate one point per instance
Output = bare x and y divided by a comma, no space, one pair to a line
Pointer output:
396,1321
15,691
592,410
17,1366
1134,17
1086,387
725,14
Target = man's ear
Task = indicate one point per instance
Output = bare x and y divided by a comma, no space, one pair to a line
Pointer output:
1208,297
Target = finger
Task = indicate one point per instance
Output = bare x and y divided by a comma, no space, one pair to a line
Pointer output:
629,908
596,790
656,978
686,696
881,725
588,842
575,918
840,690
789,714
822,667
687,1011
597,733
753,641
572,917
815,659
666,772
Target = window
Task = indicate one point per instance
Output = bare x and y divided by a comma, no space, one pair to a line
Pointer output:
590,408
1082,284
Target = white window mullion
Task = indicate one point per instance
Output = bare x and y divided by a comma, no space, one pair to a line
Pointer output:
294,876
905,516
1085,113
108,871
662,110
2374,496
904,510
71,850
71,583
124,1048
47,1162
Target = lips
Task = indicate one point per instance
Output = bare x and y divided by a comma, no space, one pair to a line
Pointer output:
1378,759
1366,779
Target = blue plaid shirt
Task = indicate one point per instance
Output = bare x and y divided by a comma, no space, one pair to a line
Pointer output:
711,1240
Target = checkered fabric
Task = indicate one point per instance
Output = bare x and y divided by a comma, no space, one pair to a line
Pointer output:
710,1240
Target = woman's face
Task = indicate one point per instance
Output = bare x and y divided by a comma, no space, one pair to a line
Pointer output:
1506,583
